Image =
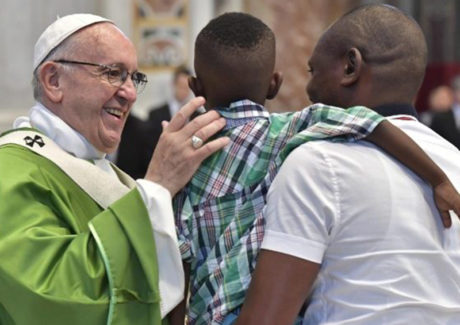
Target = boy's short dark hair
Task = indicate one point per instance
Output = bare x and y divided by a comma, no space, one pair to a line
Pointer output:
234,31
235,57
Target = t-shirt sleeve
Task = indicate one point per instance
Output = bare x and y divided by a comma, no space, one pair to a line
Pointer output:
302,206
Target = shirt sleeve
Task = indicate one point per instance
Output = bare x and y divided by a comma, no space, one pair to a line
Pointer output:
302,206
171,275
319,122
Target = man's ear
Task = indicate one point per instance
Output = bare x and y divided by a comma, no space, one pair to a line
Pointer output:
196,86
49,78
275,84
352,68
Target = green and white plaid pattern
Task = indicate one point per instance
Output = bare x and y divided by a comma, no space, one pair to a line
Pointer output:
219,213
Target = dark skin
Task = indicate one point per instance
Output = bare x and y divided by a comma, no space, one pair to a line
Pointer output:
350,69
256,83
281,283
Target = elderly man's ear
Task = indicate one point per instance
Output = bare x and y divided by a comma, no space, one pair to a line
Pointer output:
49,77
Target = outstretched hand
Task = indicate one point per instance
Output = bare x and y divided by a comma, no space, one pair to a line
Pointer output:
446,198
175,160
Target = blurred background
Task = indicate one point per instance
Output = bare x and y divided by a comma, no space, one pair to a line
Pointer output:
164,32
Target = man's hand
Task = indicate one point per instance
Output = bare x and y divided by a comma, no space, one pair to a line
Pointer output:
446,198
175,160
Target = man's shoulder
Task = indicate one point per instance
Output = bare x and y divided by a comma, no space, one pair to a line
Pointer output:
18,161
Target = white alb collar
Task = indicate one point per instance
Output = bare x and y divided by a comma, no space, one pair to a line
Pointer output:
60,132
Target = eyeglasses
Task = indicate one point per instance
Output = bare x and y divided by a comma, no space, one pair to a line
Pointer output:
116,74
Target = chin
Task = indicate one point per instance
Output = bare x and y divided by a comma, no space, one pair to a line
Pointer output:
108,148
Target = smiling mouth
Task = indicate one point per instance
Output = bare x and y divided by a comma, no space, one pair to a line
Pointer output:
114,112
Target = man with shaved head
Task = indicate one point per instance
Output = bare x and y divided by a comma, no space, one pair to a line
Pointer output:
219,213
351,235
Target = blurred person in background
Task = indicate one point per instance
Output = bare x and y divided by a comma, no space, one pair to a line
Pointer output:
447,123
440,99
133,154
140,137
181,93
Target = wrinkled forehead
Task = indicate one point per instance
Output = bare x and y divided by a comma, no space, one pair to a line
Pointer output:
105,40
99,33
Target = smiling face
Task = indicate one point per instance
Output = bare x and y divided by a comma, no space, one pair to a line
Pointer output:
90,104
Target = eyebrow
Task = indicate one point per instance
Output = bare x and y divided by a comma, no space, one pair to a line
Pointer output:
122,65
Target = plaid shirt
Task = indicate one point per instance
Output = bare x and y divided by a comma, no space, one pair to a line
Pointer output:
219,213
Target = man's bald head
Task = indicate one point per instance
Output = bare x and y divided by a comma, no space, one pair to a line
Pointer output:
391,44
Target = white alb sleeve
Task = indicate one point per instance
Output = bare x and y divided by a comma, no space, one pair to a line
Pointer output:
158,202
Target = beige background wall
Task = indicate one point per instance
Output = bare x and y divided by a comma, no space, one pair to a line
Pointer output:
296,23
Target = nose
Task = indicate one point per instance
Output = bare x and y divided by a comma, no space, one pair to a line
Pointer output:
128,91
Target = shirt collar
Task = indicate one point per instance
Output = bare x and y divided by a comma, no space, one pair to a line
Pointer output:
60,132
396,109
242,112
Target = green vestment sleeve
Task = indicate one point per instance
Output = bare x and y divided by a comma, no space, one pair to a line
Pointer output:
65,260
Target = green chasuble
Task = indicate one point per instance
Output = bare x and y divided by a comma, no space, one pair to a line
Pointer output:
64,259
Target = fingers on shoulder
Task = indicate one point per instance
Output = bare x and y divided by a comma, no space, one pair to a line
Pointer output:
210,148
205,131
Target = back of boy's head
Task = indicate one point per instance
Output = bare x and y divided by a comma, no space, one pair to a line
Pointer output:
234,59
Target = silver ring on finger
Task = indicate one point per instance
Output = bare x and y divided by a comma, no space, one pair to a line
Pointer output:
197,142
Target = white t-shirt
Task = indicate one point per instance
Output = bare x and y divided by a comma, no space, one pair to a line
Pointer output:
372,224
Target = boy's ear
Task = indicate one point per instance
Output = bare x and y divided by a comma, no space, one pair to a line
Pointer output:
49,77
275,84
353,67
196,86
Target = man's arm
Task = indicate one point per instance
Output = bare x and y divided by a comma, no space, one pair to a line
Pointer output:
278,289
